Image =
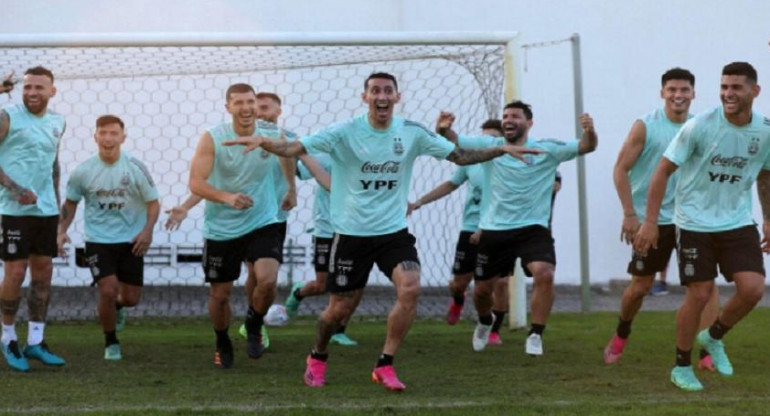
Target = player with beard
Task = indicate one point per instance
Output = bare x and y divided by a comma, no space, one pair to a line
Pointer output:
30,135
515,213
372,157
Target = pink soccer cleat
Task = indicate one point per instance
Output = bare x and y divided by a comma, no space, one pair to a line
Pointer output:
453,315
386,376
315,372
494,339
707,364
614,349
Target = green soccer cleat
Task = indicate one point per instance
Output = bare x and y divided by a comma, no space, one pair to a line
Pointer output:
344,340
43,354
120,320
715,348
265,338
292,303
112,353
685,379
243,332
14,357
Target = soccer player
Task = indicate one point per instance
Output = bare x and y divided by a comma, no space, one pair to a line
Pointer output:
121,210
372,157
240,219
318,166
647,140
515,210
30,134
719,153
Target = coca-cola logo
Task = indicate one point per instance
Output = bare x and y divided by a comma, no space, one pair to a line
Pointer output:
730,161
390,166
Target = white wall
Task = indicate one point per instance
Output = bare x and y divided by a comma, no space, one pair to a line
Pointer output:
626,46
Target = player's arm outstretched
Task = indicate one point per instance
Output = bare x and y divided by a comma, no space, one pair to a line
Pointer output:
444,126
289,169
763,191
461,156
178,213
22,195
280,147
66,216
647,236
629,153
589,140
319,173
200,169
436,193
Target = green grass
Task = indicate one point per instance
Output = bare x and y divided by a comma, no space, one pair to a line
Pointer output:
167,369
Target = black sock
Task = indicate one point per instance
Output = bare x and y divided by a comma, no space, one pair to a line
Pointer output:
222,337
703,353
118,306
499,317
459,300
683,358
486,319
254,321
110,338
624,328
297,295
319,356
384,360
718,330
340,330
536,329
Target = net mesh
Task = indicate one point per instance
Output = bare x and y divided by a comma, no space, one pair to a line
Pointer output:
169,95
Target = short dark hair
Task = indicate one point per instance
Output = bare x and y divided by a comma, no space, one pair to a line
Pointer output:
677,73
741,68
492,123
270,95
109,119
39,70
380,75
526,108
238,88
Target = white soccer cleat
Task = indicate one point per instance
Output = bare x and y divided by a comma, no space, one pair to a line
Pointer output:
481,335
534,345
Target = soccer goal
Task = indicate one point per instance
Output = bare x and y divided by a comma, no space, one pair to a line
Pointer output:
169,88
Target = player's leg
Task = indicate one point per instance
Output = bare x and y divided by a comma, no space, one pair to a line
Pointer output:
266,270
496,258
340,336
499,309
707,317
248,288
543,295
301,290
42,250
10,298
462,274
131,278
458,286
109,290
221,267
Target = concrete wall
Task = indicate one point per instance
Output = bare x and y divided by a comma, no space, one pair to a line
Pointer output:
626,46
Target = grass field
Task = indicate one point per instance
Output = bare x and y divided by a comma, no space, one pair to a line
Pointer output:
167,369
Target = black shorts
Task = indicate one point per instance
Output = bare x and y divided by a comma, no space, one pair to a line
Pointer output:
733,251
282,230
656,259
354,256
222,259
465,254
108,259
321,249
498,250
25,235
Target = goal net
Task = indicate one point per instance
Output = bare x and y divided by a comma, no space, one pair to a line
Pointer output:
169,89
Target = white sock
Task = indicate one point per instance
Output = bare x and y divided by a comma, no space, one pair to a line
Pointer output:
35,334
9,334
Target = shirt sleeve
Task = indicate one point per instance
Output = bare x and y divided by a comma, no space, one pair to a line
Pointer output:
144,181
302,171
560,150
459,176
479,142
434,145
323,141
683,144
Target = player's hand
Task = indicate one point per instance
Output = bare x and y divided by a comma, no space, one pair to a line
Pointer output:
61,240
289,200
142,242
630,227
475,237
765,237
25,197
250,143
444,121
646,237
411,207
7,85
519,151
240,201
586,122
175,217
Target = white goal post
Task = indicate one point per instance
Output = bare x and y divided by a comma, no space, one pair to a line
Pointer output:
169,87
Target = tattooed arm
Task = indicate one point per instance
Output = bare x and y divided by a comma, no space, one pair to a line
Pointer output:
463,156
66,216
